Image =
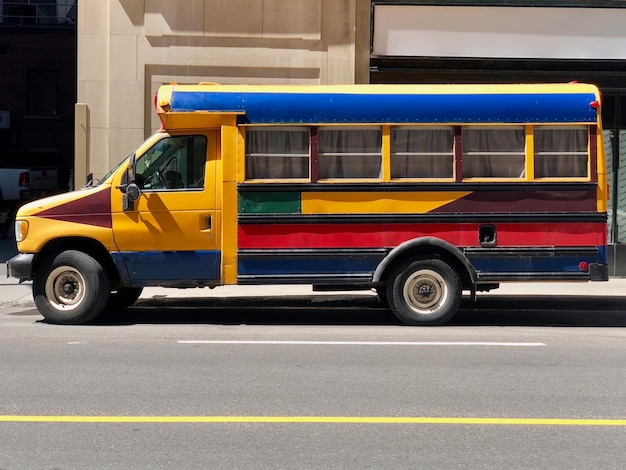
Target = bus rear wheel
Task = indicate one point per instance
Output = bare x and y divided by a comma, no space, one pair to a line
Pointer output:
70,288
424,292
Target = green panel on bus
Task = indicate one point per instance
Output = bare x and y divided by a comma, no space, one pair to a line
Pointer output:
270,203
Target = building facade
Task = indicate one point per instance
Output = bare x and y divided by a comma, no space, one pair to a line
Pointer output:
126,49
38,76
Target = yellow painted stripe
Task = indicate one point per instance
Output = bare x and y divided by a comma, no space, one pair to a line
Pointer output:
603,187
316,420
386,148
530,153
231,141
376,202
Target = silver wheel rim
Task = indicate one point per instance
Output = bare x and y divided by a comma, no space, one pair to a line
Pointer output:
65,288
425,291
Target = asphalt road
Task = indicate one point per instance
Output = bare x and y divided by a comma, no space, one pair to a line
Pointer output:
238,384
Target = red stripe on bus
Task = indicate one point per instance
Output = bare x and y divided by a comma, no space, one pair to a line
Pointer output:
278,236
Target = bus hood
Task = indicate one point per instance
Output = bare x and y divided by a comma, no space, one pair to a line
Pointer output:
82,206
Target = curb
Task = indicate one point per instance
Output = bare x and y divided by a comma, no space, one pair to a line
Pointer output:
13,294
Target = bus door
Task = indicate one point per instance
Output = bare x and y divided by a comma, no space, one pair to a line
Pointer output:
170,235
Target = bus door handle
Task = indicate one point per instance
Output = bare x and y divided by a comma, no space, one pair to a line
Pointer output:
206,223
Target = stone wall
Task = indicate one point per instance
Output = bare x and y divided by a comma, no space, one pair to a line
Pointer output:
126,49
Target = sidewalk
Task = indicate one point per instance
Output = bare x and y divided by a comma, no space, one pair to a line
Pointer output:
13,294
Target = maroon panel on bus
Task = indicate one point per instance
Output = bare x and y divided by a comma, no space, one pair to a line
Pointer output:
530,201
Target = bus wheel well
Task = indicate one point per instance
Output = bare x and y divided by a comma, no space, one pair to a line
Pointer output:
85,245
427,251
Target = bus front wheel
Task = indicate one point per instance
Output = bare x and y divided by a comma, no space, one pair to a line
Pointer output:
70,287
424,292
124,297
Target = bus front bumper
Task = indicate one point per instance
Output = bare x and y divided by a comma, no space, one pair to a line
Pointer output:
598,272
20,266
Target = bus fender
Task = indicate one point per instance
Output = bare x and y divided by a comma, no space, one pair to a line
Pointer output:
439,246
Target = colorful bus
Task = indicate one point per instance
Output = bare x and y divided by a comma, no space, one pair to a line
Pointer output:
416,192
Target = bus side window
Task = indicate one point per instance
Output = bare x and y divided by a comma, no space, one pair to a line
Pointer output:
418,152
277,153
561,151
493,152
350,152
173,163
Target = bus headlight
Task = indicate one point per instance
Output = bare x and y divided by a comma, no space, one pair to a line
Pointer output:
21,230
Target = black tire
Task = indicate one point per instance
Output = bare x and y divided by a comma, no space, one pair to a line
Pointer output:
123,297
424,292
70,288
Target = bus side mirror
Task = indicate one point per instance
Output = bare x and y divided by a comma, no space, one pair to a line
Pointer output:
131,189
131,194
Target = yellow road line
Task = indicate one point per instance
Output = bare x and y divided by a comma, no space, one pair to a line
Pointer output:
315,420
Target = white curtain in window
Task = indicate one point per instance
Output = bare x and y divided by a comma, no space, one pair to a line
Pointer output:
275,153
493,152
561,152
350,152
422,153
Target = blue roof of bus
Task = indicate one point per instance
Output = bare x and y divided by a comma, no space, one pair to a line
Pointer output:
399,104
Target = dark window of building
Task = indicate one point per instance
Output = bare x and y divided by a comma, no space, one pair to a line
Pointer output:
42,92
46,11
38,12
608,110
